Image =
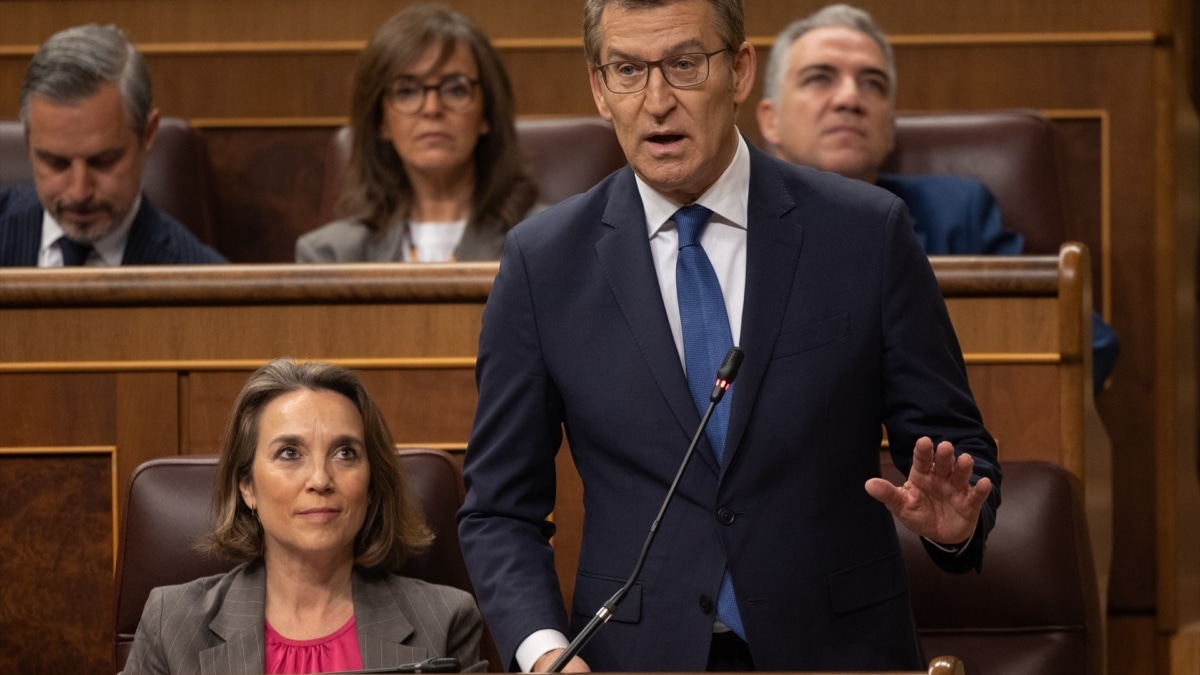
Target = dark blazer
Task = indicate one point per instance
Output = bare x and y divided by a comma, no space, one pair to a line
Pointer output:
959,216
953,215
214,625
155,238
843,328
349,240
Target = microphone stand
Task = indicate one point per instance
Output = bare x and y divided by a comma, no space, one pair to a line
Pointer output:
725,376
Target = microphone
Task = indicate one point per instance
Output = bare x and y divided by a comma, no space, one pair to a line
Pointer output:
725,376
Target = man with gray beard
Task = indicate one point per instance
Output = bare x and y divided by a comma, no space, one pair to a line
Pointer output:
87,107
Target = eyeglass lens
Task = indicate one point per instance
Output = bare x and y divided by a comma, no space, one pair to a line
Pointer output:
682,70
455,92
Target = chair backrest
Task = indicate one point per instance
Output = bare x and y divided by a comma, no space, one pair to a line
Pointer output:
1010,151
567,155
169,509
1035,608
175,178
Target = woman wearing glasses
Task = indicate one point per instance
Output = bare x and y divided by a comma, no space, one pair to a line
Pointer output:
435,172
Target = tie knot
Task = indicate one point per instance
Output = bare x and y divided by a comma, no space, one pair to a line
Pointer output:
73,252
691,220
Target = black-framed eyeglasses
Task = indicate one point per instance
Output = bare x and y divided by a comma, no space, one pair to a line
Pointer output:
455,92
680,71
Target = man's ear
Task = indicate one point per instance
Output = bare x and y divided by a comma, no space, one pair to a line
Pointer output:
768,118
745,64
598,89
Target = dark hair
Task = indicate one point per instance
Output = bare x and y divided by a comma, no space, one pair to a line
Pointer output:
730,22
395,523
73,63
377,188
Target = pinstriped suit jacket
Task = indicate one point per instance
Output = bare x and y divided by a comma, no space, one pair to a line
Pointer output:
155,238
214,625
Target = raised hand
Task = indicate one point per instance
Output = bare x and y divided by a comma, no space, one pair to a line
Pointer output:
937,501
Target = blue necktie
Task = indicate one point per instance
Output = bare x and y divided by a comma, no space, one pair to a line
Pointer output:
74,253
706,339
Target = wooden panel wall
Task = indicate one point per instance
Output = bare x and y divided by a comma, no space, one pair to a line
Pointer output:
1121,66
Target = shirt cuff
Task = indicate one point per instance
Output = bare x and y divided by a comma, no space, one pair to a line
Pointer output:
538,643
953,549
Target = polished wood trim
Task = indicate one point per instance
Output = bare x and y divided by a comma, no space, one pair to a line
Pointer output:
448,447
983,358
203,285
966,275
407,363
293,47
1072,39
267,122
58,450
185,285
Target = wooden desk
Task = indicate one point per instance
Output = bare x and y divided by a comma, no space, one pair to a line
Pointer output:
102,369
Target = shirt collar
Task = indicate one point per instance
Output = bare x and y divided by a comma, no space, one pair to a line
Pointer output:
110,247
726,198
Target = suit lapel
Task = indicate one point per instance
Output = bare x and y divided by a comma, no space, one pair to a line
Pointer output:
629,269
774,237
21,236
147,243
382,626
240,624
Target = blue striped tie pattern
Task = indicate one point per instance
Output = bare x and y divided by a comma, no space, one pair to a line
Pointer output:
706,340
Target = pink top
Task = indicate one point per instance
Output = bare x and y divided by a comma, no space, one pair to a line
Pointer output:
330,654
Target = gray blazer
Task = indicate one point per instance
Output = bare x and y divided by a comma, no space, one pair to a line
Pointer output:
349,240
214,625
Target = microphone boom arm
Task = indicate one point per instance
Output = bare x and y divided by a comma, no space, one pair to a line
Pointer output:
725,376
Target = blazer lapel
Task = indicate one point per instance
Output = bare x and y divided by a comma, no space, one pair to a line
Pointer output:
240,624
774,238
21,233
382,626
629,269
147,243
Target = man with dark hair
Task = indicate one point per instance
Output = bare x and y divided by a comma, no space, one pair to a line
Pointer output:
609,319
87,107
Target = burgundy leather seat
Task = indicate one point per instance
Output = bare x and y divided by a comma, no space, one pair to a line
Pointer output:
175,178
1010,151
1035,608
169,509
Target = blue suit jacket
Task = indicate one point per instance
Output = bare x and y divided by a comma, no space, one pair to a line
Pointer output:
155,238
959,216
953,215
844,328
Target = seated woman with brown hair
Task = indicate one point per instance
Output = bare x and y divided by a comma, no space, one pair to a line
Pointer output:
435,173
310,496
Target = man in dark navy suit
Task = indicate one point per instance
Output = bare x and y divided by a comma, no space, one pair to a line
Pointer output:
829,103
87,107
608,320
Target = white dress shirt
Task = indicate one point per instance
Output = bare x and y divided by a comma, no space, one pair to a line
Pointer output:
107,251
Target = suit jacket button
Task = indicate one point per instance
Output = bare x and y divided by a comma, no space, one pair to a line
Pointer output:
725,516
706,604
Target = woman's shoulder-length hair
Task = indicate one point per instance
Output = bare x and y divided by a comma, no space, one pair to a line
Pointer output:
376,189
395,525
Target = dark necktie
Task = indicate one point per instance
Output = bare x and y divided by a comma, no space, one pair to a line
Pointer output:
74,253
706,339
